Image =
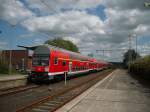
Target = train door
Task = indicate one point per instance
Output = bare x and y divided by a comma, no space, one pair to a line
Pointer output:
70,66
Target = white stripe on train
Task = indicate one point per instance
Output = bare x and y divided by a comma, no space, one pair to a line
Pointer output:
71,73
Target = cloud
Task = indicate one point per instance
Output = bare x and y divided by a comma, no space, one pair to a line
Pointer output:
13,11
123,5
70,20
66,24
124,18
49,6
38,41
126,15
76,26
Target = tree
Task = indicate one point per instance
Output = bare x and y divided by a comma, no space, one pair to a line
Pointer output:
65,44
130,56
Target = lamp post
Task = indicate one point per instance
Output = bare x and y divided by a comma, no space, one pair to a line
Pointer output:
130,57
136,49
10,53
136,43
10,61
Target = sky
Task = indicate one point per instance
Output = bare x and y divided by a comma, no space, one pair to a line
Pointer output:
91,24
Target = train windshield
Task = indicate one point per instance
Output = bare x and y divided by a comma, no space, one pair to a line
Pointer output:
40,60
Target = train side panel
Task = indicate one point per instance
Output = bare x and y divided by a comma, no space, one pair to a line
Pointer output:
59,62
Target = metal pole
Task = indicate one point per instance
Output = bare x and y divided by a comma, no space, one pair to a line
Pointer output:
23,64
136,46
130,42
10,61
10,54
65,78
129,52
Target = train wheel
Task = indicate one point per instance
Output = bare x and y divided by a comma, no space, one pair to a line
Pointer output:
29,80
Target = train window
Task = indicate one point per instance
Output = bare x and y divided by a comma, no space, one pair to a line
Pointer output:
64,63
42,60
55,60
76,68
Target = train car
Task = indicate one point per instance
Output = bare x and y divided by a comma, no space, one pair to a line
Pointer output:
51,62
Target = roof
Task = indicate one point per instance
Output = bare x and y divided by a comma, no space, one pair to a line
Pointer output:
28,47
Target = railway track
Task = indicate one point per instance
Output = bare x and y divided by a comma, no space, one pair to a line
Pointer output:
15,90
51,103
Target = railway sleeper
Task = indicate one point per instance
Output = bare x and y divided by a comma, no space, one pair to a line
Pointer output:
55,102
44,108
49,104
61,98
39,110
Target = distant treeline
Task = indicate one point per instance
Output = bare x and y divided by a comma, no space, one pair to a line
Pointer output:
141,67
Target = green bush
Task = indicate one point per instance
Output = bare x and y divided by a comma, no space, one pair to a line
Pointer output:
3,67
5,70
141,67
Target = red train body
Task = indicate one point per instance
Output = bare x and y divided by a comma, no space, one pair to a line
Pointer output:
50,62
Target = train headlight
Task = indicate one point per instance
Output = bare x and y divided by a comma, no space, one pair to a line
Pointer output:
46,69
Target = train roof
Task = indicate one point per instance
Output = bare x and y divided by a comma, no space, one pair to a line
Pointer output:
44,49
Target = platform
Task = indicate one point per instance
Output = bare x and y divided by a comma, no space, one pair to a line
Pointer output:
11,77
118,92
10,81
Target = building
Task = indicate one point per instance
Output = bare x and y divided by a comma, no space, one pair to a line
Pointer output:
21,59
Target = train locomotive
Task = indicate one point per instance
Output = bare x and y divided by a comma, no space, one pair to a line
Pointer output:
50,62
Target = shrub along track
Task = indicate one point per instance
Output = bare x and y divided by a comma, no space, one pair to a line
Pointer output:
64,94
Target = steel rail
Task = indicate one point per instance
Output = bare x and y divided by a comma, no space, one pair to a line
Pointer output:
88,83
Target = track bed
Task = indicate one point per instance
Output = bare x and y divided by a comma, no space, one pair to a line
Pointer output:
32,99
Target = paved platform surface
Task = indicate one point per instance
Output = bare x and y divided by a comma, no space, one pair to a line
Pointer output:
119,92
10,81
11,77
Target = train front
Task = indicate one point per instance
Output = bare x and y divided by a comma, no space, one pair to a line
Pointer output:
40,65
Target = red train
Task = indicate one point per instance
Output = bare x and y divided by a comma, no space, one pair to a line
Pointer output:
52,62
